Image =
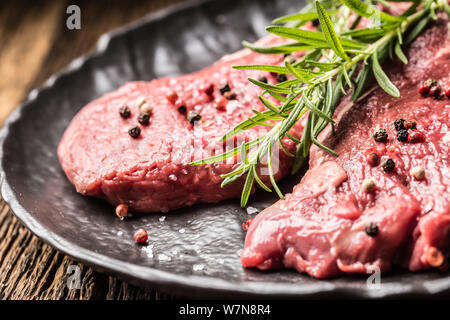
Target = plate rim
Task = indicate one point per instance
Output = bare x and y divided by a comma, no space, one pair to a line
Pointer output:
159,279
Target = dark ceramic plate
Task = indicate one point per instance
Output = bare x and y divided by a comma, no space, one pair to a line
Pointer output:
194,251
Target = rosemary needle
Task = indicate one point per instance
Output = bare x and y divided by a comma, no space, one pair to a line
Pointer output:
321,77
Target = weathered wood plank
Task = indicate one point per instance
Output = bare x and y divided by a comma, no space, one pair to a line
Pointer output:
35,44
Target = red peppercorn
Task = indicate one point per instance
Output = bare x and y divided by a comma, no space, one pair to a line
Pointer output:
447,92
221,103
372,159
423,89
410,124
247,224
140,236
171,96
416,136
122,211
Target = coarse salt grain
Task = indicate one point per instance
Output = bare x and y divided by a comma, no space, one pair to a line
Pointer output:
164,257
252,210
198,267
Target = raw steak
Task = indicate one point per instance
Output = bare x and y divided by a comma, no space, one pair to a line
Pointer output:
152,172
319,229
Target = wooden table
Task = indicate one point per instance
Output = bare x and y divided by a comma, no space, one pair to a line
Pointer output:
35,43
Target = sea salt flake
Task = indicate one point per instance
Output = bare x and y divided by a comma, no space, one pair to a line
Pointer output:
148,250
120,233
198,267
252,210
161,219
164,257
182,230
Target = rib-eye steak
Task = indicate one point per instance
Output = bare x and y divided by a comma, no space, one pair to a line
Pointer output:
148,167
352,213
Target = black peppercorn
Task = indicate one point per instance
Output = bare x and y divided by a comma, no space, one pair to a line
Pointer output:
402,135
262,79
435,91
230,95
380,135
143,118
281,78
125,112
193,116
134,132
315,22
399,124
182,109
224,87
371,229
388,165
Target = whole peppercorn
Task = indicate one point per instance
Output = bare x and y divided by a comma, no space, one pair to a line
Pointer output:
141,236
281,78
193,116
145,108
410,124
372,159
122,211
262,79
224,87
247,224
140,101
368,185
134,132
402,135
144,118
171,96
416,136
371,229
388,165
315,22
435,91
447,92
125,112
380,135
423,89
431,83
399,124
418,173
230,95
434,257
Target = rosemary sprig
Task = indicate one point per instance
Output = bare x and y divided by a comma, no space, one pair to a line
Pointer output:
327,71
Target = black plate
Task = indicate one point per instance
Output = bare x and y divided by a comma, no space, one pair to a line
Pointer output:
194,251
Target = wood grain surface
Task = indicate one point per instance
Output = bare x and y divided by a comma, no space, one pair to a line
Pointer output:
35,43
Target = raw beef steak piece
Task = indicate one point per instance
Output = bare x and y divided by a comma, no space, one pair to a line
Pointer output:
333,222
151,172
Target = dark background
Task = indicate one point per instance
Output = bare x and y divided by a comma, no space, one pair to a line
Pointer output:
35,43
